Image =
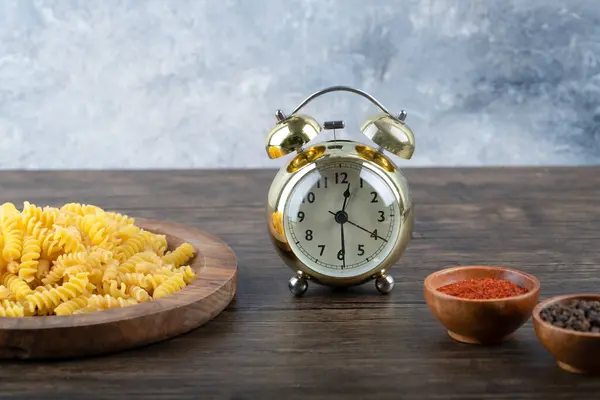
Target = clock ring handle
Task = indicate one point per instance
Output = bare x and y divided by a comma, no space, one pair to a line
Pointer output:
400,117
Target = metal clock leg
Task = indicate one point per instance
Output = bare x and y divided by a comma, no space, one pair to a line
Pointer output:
298,285
384,283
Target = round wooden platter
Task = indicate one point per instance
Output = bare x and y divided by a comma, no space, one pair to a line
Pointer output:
109,331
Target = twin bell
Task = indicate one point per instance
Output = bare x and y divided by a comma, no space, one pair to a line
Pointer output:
292,132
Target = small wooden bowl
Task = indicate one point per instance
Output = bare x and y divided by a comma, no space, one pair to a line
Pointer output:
574,351
481,321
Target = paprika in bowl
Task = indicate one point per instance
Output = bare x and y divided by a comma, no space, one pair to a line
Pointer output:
481,304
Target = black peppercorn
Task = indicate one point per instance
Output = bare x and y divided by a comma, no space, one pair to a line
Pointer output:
578,315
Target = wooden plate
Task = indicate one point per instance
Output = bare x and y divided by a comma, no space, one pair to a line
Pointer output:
118,329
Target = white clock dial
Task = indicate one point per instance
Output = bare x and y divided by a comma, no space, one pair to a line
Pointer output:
342,219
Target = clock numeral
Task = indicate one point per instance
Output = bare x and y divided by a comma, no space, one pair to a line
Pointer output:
310,197
324,183
344,177
381,216
374,199
361,183
322,247
300,216
361,249
309,235
374,234
340,255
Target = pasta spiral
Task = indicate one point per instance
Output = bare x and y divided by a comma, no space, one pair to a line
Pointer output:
2,261
114,289
171,285
120,218
180,255
80,209
68,307
79,258
69,239
107,302
126,232
29,259
97,229
50,247
131,246
147,282
42,288
16,285
187,273
34,228
158,243
8,210
13,238
61,265
110,273
43,267
11,309
47,216
132,264
139,294
5,293
45,301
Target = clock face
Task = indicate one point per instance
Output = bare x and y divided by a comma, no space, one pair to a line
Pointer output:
342,219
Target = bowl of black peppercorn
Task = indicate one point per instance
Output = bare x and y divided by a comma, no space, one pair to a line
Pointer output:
569,328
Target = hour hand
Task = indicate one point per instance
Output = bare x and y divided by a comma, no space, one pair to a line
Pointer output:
346,197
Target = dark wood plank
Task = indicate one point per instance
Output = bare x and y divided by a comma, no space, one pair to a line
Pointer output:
342,344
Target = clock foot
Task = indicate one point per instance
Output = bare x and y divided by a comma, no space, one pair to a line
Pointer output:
298,285
384,284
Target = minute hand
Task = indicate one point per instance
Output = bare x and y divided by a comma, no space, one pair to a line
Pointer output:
372,234
360,227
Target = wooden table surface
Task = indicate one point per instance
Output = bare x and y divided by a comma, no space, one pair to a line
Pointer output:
338,345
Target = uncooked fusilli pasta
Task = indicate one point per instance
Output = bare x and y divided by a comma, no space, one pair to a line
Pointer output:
79,258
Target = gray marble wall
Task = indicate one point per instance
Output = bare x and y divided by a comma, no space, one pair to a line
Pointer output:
178,84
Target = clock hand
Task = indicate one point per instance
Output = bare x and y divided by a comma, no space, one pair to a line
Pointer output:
346,196
360,227
343,248
352,195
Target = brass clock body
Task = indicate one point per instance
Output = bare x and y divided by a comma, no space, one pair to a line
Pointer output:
340,212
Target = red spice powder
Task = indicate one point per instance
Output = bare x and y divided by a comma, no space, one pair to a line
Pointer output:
483,288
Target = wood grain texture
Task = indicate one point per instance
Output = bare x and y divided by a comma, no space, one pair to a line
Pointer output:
339,344
54,337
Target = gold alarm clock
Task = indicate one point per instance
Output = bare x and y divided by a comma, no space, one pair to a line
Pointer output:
340,212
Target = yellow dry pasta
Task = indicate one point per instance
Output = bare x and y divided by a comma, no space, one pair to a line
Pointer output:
169,286
17,286
68,307
79,258
29,259
139,294
13,238
5,293
180,255
107,302
11,309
